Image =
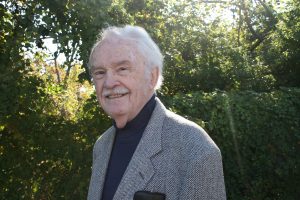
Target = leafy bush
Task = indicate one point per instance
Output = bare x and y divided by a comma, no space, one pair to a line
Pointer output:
258,134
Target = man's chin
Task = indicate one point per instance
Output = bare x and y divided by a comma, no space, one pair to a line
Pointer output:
117,114
121,119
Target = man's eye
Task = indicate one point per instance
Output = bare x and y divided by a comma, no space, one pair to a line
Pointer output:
99,73
123,70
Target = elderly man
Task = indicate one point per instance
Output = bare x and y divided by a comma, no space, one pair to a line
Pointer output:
149,152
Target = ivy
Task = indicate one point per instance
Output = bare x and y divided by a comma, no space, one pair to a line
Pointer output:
258,134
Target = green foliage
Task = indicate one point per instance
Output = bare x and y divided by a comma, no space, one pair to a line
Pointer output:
202,49
44,153
282,50
224,74
258,134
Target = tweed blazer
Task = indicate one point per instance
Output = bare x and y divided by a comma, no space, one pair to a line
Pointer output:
175,157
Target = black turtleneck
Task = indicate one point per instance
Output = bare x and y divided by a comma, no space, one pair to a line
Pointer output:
125,143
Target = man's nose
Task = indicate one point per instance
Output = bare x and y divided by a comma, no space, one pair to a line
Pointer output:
111,80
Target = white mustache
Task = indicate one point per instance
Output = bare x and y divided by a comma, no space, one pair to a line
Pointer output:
115,91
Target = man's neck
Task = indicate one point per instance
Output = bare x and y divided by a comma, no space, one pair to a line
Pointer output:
121,122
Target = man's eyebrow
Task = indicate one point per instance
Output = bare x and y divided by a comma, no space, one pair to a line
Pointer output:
115,64
97,67
122,62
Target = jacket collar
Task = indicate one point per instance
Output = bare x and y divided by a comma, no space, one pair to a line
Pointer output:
101,156
140,169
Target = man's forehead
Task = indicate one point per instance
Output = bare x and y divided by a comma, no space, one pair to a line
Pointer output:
114,51
117,42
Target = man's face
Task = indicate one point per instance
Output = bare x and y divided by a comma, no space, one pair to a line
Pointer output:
120,80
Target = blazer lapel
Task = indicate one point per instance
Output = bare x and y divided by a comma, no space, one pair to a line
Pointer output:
140,168
100,163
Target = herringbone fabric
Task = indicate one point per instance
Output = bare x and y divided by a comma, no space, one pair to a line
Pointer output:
175,157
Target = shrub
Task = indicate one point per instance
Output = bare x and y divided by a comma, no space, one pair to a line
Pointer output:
258,134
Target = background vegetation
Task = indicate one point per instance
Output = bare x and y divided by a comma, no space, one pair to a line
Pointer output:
230,66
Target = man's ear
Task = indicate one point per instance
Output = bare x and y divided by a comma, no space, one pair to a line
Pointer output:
154,77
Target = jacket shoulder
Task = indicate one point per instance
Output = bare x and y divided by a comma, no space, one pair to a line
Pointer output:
104,139
191,138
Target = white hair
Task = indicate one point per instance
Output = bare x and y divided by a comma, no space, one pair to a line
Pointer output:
145,45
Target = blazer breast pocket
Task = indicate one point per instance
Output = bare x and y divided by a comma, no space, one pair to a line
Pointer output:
145,195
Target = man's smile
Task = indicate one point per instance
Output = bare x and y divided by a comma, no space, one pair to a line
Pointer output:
114,93
114,96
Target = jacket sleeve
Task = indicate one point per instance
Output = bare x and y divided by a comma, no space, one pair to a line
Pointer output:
204,178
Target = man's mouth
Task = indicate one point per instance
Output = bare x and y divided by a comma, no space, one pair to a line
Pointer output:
114,96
